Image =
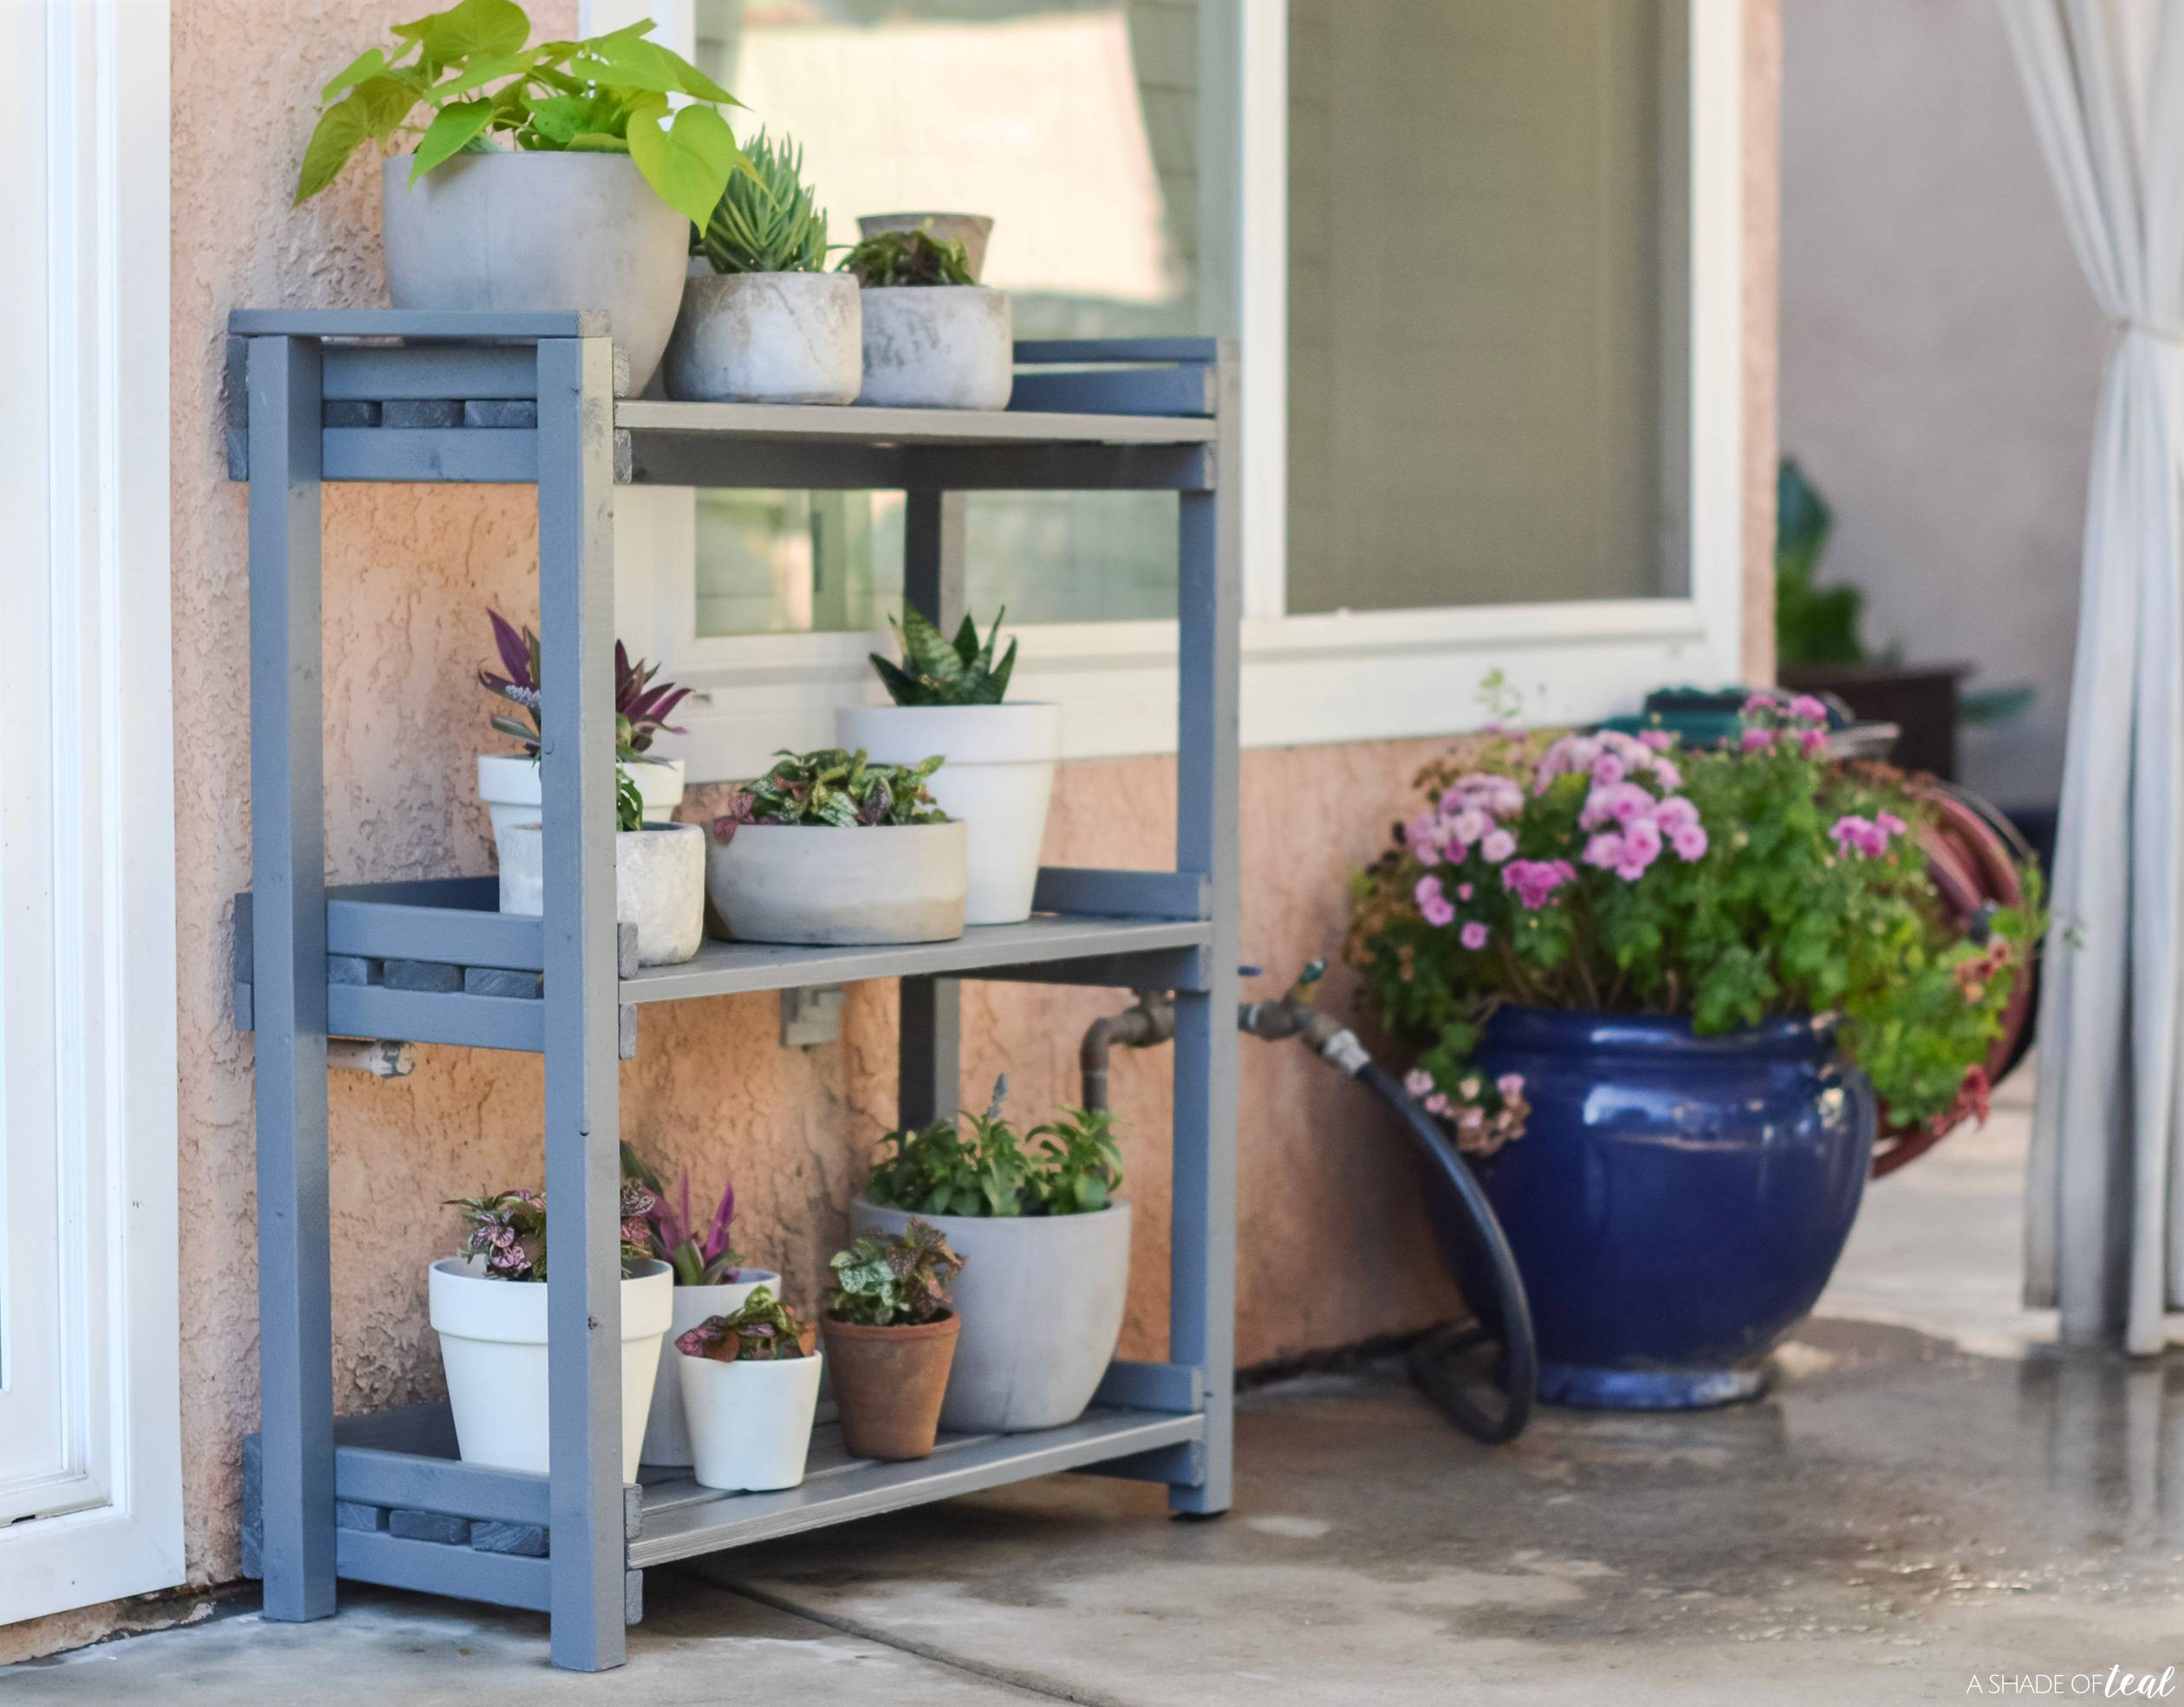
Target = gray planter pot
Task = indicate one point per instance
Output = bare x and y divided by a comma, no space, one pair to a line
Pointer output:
539,232
659,884
813,883
970,230
936,346
767,338
1041,1298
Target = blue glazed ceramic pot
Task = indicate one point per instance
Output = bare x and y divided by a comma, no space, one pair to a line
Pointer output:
1677,1203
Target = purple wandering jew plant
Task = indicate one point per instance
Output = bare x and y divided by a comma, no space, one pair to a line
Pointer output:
671,1232
642,705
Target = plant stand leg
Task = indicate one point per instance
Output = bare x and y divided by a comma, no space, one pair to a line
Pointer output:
584,1172
288,882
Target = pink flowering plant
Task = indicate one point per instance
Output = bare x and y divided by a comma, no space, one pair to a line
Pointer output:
1618,873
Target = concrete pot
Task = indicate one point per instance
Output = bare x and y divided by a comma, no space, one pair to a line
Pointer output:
936,346
667,1427
970,230
492,1336
828,887
541,230
1041,1297
749,1420
888,1383
767,338
659,884
998,777
509,784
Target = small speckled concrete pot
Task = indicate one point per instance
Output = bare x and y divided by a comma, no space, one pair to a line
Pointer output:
766,338
509,783
659,884
830,887
936,346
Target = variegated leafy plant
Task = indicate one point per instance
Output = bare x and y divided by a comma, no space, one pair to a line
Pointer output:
936,670
832,789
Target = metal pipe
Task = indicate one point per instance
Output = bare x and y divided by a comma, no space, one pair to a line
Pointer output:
1148,1023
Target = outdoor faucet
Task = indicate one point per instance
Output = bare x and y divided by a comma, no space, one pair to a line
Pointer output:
1151,1021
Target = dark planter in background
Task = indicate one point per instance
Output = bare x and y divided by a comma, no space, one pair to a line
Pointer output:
1920,700
1677,1203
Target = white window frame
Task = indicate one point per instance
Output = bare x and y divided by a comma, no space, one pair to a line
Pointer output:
1342,676
105,204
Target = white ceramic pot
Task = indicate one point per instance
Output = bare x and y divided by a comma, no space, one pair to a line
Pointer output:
492,1336
667,1429
539,231
1041,1297
766,338
509,784
881,883
998,779
750,1422
659,884
936,346
970,230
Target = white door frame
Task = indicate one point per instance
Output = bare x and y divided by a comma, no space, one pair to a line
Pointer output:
87,236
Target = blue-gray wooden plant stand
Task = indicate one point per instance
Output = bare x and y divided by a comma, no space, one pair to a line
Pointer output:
533,398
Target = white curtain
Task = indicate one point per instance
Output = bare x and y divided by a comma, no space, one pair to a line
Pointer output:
2105,1228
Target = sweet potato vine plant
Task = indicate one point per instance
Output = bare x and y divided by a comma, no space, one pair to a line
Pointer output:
1617,873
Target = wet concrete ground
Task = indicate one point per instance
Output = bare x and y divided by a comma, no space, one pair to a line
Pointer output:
1904,1519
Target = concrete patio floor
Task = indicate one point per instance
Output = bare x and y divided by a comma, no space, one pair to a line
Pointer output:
1931,1495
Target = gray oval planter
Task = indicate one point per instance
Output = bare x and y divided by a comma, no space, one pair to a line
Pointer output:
936,346
1041,1297
828,887
970,230
767,338
659,884
539,231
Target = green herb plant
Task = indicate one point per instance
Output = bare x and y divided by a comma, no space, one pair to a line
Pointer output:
894,1280
893,258
832,789
1075,1169
768,220
469,73
762,1330
936,670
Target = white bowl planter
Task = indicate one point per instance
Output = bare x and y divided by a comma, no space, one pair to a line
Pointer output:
936,346
877,883
998,777
970,230
1041,1297
766,338
668,1427
539,231
509,784
659,884
749,1420
492,1336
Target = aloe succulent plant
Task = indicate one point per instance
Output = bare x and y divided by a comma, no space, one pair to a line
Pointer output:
768,220
936,670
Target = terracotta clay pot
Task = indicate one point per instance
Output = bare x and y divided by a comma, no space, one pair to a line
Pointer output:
888,1384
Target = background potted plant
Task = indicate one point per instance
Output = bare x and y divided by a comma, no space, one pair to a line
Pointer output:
750,1380
709,1281
973,231
659,878
551,175
1047,1245
762,321
999,774
933,338
829,847
1678,980
891,1330
489,1308
508,782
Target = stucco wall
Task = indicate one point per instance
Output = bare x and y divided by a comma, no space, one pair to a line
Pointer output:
1332,1247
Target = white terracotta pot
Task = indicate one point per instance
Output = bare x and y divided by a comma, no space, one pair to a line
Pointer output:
539,231
970,230
750,1422
659,884
998,779
766,338
492,1336
936,346
509,784
667,1429
882,883
1041,1297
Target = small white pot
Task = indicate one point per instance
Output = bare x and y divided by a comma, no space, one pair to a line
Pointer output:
766,338
667,1429
750,1422
998,777
936,346
492,1336
659,884
509,784
797,883
1041,1297
970,230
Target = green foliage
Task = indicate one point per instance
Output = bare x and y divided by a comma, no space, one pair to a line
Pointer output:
942,1170
835,789
629,802
762,1330
469,71
767,220
1813,624
894,1280
506,1230
908,257
936,670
